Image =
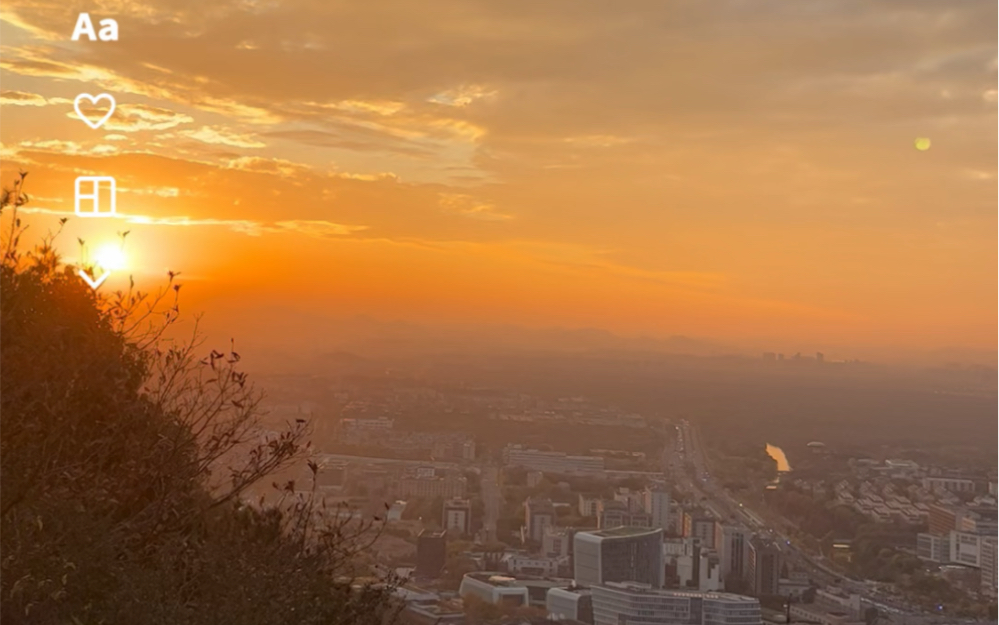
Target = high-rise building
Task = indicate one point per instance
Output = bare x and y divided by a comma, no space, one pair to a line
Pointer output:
966,549
699,524
764,567
614,513
589,505
457,516
657,505
678,557
943,519
639,604
709,571
538,514
932,547
980,520
431,553
556,542
989,560
571,603
632,499
732,545
619,554
468,450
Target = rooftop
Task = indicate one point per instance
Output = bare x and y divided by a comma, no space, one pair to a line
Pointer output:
703,594
625,530
433,534
495,579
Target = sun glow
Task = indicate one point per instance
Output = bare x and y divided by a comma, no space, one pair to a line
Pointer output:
111,257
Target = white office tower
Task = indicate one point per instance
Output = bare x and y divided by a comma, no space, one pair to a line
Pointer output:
619,554
657,504
639,604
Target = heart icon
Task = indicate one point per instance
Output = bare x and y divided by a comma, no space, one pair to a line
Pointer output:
93,100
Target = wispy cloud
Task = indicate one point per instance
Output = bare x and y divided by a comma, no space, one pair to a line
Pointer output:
58,146
221,136
464,95
312,228
263,165
22,98
139,117
319,229
468,206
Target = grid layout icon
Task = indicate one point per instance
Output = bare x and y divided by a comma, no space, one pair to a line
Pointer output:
88,196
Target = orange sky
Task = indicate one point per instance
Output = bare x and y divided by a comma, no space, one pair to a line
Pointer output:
739,170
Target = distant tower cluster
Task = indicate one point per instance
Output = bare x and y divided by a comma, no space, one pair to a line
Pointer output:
819,357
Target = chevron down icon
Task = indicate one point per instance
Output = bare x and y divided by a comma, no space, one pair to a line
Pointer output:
94,283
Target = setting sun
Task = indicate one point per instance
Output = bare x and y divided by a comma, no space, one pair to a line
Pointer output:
111,256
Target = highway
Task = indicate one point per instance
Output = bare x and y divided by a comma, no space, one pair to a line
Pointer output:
688,464
689,454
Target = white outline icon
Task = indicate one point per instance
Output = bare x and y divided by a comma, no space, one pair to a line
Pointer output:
94,100
95,196
93,283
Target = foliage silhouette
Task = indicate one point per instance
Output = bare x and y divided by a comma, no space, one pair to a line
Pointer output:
125,460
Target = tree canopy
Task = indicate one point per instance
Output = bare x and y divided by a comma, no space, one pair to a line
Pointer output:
125,460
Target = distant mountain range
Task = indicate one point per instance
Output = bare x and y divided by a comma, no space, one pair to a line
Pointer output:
279,337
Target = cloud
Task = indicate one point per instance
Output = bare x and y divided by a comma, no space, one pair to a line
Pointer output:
350,139
319,229
468,206
44,61
598,141
273,166
581,258
222,136
312,228
157,191
385,175
140,117
153,81
59,146
21,98
975,174
382,108
463,95
243,226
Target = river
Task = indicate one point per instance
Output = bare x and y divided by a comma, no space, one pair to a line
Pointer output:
777,454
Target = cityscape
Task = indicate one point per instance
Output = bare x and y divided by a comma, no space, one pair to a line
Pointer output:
481,312
660,526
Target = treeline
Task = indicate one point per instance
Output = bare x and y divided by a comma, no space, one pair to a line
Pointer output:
125,463
818,517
